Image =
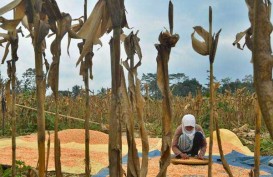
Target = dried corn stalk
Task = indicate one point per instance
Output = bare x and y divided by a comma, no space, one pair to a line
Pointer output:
167,41
131,45
258,41
98,23
133,168
117,14
209,47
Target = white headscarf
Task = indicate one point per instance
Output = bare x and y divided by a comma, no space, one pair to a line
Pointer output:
188,120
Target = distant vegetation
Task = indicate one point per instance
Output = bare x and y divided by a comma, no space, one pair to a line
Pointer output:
235,102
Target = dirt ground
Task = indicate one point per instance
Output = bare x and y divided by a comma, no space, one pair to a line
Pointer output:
72,154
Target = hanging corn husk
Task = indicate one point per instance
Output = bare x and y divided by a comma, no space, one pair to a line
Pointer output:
90,28
97,24
127,112
201,47
131,45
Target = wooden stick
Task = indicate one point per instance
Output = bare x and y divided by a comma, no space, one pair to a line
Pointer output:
52,113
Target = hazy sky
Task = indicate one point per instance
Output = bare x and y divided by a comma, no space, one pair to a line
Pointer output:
150,17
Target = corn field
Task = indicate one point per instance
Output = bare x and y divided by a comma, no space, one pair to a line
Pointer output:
234,110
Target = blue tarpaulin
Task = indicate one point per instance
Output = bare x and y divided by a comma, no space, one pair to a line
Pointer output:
237,159
234,158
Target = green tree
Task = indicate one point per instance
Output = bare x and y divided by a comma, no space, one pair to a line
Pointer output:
186,87
151,80
28,82
76,91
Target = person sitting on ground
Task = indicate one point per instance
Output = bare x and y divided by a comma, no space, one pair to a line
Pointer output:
189,139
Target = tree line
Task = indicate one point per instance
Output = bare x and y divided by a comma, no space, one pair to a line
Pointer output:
180,84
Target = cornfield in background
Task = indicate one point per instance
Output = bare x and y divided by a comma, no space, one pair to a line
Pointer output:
234,110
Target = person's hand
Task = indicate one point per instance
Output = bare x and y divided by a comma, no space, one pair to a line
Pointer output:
184,155
200,156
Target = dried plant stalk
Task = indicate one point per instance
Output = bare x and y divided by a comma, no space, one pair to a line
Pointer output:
257,141
164,48
262,58
223,160
115,148
127,113
14,46
40,88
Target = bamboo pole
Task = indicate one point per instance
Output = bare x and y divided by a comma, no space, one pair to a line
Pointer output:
257,141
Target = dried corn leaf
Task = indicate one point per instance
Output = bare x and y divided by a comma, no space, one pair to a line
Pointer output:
2,41
214,46
53,76
46,65
82,69
52,10
124,22
105,22
25,22
9,25
90,28
9,6
19,11
167,39
5,36
123,37
129,45
43,31
143,133
160,76
200,47
239,36
95,16
29,12
137,46
6,53
127,112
